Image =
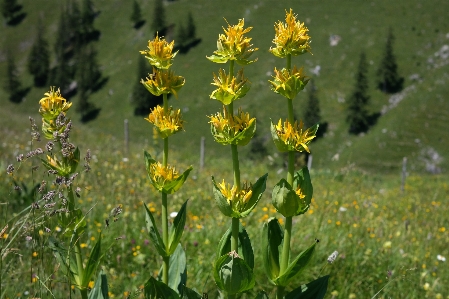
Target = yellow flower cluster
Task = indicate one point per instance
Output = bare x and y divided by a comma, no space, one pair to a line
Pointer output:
230,88
291,37
289,83
294,136
236,198
232,129
163,82
53,104
233,45
167,122
161,175
160,53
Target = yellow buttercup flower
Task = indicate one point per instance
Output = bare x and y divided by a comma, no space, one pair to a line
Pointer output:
291,37
232,129
288,137
236,198
160,53
167,122
53,104
163,82
233,45
289,83
230,88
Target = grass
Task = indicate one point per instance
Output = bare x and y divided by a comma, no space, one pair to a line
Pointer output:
362,26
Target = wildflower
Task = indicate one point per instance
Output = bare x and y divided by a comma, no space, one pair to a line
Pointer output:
291,37
352,296
289,137
173,214
387,245
3,234
426,286
167,122
90,284
53,104
233,45
332,257
65,166
289,83
441,258
163,82
232,129
165,178
35,254
334,293
238,202
10,169
230,88
83,245
160,53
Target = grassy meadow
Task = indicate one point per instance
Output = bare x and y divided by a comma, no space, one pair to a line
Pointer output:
388,240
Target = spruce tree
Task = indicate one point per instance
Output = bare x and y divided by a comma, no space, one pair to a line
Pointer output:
39,59
388,79
312,112
141,99
136,16
12,83
9,9
87,17
191,29
158,23
357,113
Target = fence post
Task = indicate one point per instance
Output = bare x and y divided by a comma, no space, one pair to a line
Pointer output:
126,138
202,152
404,172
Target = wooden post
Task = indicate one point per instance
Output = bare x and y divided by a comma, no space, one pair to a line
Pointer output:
202,152
404,173
309,162
126,138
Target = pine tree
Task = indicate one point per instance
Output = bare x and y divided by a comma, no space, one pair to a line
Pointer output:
88,17
312,112
191,29
158,23
39,59
141,99
12,83
9,8
357,114
136,16
389,80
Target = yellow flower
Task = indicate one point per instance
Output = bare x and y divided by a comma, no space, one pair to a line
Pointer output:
292,138
163,82
167,122
289,83
91,284
83,245
232,129
53,104
233,45
230,88
235,198
291,37
160,53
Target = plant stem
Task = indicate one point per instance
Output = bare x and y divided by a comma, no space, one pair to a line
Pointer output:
235,235
166,259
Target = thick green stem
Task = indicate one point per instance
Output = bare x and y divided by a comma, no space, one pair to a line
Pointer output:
83,293
166,260
280,292
235,235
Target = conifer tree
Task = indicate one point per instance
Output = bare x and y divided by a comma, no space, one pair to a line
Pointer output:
12,83
136,16
191,29
158,23
9,9
312,112
39,59
88,16
141,99
357,113
388,79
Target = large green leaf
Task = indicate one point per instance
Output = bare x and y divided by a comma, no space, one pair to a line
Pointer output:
100,290
285,199
272,241
221,201
154,289
190,294
175,185
154,233
313,290
295,267
232,275
177,272
65,259
258,189
244,247
92,263
177,229
303,181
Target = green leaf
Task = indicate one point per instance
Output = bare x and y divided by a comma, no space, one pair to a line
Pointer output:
74,161
244,246
148,161
280,145
232,274
62,256
92,263
295,267
154,289
174,185
71,221
217,59
221,201
178,229
313,290
189,294
154,233
272,241
262,295
177,272
303,181
285,199
100,290
258,189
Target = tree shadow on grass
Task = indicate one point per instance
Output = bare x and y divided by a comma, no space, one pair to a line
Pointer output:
139,24
20,95
100,84
90,115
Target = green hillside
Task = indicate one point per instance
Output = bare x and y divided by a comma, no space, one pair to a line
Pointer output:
415,127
